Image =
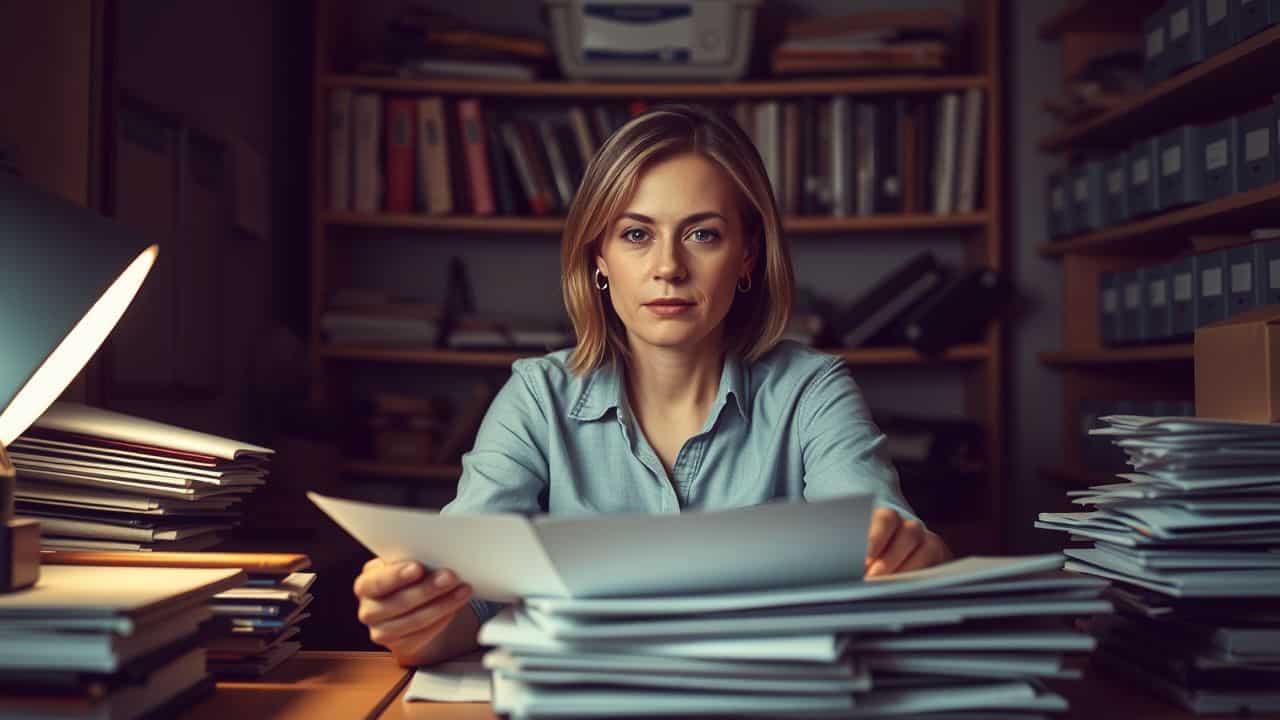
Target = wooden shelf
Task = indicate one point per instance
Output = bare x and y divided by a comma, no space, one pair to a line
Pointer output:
554,225
497,359
372,468
1085,15
1216,82
1119,356
1168,233
873,85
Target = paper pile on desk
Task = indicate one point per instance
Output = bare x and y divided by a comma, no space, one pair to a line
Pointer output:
99,480
1191,540
255,627
96,641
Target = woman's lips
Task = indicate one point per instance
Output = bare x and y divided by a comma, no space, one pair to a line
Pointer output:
669,308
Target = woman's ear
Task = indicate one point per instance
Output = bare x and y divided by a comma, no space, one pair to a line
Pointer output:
750,254
602,266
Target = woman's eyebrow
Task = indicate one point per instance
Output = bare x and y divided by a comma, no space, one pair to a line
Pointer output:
696,217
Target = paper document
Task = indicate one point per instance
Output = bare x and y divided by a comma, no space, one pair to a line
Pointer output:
506,556
95,422
459,681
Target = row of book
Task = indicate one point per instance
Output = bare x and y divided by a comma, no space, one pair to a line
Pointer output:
1186,539
1097,452
1184,166
1184,33
825,156
1168,301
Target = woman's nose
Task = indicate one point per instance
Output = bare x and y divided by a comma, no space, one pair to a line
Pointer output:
669,262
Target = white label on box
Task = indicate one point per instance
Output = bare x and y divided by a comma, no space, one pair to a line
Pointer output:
1182,287
1141,171
1109,301
1179,24
1216,155
1211,282
1115,181
1058,198
1215,11
1257,144
1171,161
1158,293
1082,189
1155,42
1273,270
1132,295
1242,277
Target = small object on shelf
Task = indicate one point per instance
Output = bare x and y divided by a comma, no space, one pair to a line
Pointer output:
1221,20
958,313
1211,288
1157,319
1181,177
1059,220
1087,196
1133,328
1115,199
1241,279
1217,157
1183,311
1108,309
1185,33
1268,266
1255,146
1155,57
1143,160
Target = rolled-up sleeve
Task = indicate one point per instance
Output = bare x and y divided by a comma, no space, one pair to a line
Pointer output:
506,469
844,452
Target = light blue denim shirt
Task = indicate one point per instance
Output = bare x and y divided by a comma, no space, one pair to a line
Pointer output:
791,425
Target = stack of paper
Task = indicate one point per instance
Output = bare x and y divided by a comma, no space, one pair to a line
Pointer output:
105,481
1192,542
255,626
749,611
99,642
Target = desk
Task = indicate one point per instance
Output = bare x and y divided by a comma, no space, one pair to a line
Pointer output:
370,685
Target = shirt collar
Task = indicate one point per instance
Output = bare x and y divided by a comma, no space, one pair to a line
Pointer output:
604,390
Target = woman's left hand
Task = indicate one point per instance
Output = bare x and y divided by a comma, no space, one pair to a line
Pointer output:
895,544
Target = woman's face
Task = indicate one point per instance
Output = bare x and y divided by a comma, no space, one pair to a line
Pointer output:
675,255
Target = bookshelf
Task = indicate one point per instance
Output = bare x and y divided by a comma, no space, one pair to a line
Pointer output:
980,235
1219,87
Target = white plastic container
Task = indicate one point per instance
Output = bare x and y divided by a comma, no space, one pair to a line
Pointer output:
652,39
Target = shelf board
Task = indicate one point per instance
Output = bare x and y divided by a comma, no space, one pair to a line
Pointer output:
870,85
1119,356
554,225
1084,15
1169,232
497,359
1213,83
402,470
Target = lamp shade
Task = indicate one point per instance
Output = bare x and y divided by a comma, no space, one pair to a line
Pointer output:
66,276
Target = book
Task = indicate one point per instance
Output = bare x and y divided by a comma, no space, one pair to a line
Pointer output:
434,171
970,151
841,156
511,137
339,136
581,125
252,563
474,143
366,150
871,318
504,177
944,157
958,313
400,162
489,70
768,138
562,183
866,155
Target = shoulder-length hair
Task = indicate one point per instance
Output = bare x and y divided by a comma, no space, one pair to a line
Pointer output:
758,318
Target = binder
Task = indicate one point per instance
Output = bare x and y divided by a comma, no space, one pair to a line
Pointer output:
1221,25
1086,196
871,317
1157,319
1217,158
435,188
1256,149
399,158
1154,58
1059,217
1185,38
1241,274
1257,15
1143,191
1115,198
1182,306
1132,307
1108,309
1180,183
1211,288
1267,265
958,313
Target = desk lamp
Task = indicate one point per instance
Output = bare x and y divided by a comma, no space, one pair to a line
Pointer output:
66,276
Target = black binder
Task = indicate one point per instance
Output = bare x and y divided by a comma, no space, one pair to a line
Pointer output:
958,313
870,320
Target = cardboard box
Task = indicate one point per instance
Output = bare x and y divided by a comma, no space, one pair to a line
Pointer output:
1237,366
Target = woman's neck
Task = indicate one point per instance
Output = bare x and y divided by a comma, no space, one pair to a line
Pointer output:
667,381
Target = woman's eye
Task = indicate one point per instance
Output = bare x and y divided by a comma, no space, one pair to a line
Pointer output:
634,235
703,235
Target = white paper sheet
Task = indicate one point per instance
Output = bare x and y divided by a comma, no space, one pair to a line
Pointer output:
460,681
86,420
506,556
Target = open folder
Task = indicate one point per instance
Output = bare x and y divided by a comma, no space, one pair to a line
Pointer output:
506,556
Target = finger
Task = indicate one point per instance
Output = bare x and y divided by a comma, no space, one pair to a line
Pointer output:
383,581
905,541
884,522
373,564
391,631
925,555
376,610
408,649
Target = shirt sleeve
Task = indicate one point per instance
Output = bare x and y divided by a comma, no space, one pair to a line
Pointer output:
844,451
506,469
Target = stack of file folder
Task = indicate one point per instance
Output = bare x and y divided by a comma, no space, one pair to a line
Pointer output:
757,610
1191,541
107,642
99,480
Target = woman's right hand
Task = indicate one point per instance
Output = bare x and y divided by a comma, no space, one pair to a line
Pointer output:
406,608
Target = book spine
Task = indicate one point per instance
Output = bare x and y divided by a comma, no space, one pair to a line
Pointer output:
866,156
563,185
582,134
434,156
474,143
768,123
944,166
841,155
966,196
340,149
399,159
500,167
515,148
367,193
791,162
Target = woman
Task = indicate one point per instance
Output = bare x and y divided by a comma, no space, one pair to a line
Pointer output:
678,394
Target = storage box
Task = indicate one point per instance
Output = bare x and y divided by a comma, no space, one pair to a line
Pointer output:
1241,278
1108,309
1256,16
1143,191
652,39
1115,204
1154,60
1217,158
1180,179
1182,291
1157,319
1059,207
1133,326
1184,39
1221,25
1256,149
1267,263
1211,287
1086,196
1237,367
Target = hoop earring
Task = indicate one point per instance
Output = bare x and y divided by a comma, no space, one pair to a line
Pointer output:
602,281
747,289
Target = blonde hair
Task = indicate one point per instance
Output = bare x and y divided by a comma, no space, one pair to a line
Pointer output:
758,318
